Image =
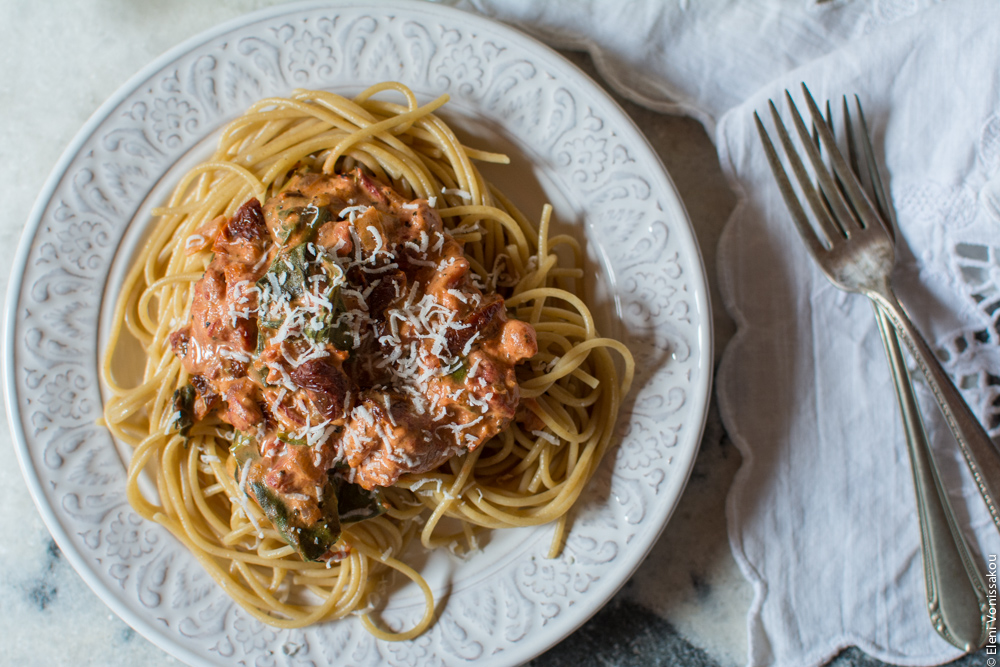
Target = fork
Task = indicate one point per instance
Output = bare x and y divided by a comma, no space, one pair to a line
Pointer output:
857,256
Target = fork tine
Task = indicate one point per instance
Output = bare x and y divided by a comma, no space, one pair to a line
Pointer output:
851,151
852,147
868,217
841,212
822,195
827,226
881,199
836,178
815,132
788,193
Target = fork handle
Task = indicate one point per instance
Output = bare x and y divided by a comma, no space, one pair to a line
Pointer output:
956,592
980,454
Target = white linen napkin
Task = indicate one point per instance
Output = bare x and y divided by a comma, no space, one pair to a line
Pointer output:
696,57
822,516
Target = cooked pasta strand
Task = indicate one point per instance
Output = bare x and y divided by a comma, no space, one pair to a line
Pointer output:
528,475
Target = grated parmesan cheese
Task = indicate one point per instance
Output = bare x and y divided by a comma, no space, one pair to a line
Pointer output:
546,436
194,240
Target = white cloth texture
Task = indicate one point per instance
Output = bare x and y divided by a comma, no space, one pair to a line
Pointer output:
822,516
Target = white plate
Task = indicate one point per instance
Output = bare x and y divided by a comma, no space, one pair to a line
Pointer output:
571,145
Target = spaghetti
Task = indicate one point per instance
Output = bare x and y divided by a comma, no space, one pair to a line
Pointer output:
529,473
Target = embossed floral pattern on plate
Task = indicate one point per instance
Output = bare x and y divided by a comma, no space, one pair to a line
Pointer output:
507,603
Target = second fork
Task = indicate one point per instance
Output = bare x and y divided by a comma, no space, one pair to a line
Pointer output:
857,256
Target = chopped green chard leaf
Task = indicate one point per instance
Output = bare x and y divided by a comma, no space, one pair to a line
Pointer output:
342,503
459,374
261,342
285,437
244,448
290,271
341,338
285,228
183,417
357,503
296,271
335,276
310,216
311,541
258,373
330,332
314,217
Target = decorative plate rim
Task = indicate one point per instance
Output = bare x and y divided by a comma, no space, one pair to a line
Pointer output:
700,385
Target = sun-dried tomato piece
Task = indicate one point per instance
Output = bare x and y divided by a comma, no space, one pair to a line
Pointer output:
248,223
326,383
482,320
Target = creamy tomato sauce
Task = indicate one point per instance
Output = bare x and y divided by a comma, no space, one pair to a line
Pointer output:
339,327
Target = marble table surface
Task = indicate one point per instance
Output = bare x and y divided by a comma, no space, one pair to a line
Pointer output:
687,604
